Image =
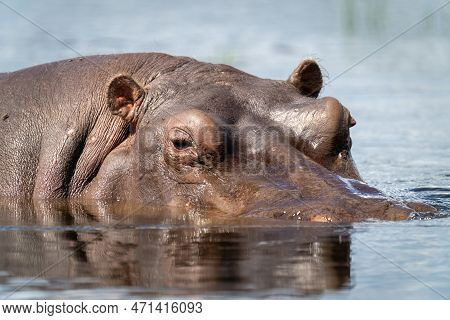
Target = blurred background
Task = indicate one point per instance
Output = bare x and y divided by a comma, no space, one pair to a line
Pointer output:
400,97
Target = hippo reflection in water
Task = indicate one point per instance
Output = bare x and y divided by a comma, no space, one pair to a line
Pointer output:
210,261
153,128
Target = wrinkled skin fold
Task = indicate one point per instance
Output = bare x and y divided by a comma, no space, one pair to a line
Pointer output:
157,129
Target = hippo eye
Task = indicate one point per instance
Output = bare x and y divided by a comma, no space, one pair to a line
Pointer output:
180,139
181,143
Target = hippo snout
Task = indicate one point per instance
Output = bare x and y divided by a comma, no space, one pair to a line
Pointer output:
314,211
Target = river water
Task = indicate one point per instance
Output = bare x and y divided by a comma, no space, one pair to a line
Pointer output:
400,97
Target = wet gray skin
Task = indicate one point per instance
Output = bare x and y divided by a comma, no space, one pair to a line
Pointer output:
152,128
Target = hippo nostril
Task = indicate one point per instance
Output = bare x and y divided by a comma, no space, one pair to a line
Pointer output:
344,154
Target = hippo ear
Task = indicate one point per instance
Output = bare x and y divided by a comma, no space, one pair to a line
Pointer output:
124,95
307,78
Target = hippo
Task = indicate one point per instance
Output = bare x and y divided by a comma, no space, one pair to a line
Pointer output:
152,128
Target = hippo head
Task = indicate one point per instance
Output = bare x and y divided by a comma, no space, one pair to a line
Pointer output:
211,136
